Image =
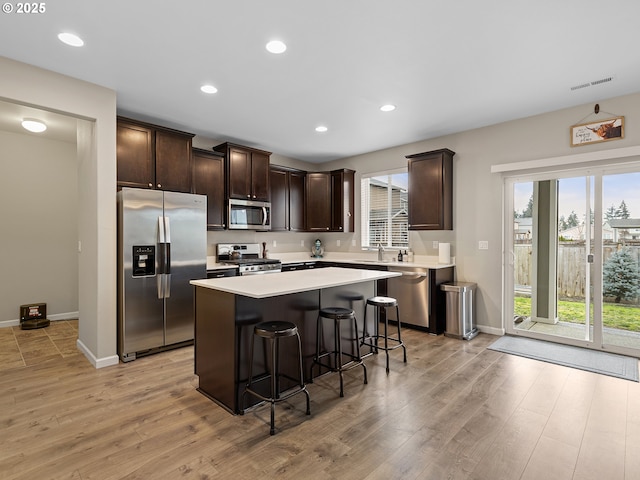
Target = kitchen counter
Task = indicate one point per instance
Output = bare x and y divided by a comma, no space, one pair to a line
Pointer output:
257,286
420,261
227,309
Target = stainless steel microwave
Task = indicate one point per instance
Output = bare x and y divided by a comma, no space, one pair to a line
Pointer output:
249,215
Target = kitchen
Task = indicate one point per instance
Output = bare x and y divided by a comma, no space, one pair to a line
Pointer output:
509,142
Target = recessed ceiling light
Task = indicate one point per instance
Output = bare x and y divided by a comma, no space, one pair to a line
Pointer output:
321,129
34,126
276,46
71,39
208,89
388,108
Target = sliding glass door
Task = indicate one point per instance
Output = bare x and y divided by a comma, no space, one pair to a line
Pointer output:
573,244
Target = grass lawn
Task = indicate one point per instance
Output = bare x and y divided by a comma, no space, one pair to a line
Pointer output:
621,317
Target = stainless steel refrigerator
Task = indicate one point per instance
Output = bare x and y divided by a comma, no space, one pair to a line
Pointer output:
162,245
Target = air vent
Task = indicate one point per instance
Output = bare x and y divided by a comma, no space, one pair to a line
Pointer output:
591,84
578,87
603,80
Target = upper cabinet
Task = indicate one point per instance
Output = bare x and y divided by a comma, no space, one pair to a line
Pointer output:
150,156
342,198
247,172
208,179
330,201
287,199
318,202
431,190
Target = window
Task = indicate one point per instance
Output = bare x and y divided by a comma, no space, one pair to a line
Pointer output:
384,209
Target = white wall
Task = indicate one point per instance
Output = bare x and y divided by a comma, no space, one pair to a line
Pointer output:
96,106
39,212
478,192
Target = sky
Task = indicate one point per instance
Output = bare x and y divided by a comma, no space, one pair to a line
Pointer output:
572,194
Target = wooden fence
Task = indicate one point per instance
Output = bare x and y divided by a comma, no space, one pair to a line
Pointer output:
571,267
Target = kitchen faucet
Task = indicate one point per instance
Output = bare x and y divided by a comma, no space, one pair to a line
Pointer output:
380,252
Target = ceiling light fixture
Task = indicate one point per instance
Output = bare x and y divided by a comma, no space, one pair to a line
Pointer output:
70,39
388,108
276,46
34,126
321,129
208,89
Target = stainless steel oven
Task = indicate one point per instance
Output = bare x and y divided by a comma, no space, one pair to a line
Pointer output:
246,256
249,215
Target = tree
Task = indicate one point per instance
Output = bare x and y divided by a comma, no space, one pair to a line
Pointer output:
621,278
572,220
528,211
611,213
623,211
562,223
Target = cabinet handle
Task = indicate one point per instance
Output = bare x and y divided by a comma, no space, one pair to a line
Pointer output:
159,185
151,185
249,196
348,214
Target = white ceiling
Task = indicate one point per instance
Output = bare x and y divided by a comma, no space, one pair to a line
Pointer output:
449,66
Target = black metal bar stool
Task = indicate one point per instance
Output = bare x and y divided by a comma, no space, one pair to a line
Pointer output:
337,314
274,331
368,340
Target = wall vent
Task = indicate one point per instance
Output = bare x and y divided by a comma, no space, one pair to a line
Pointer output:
593,83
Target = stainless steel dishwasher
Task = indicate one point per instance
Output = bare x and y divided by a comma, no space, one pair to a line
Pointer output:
421,303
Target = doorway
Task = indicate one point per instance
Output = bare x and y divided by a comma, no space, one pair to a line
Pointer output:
573,243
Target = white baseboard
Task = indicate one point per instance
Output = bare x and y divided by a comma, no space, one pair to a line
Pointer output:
491,330
97,362
53,318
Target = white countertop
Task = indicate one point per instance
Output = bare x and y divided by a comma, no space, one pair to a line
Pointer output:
283,283
420,261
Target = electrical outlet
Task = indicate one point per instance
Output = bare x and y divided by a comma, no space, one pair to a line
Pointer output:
302,243
79,246
338,243
275,244
435,244
483,245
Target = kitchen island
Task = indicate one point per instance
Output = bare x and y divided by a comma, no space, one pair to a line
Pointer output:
226,309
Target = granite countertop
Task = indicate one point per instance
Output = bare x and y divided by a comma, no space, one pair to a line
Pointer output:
284,283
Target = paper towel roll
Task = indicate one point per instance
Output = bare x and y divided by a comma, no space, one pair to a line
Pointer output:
444,253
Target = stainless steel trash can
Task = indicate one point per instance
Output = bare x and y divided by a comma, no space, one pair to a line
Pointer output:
460,309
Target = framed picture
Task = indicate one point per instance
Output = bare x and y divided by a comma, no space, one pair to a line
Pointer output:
602,131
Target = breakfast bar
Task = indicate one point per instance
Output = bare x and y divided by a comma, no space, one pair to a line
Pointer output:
226,309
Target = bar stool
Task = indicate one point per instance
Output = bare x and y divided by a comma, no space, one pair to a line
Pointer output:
383,303
337,314
273,332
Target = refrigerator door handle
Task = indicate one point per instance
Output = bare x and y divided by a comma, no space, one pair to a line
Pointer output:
167,286
167,230
161,284
161,232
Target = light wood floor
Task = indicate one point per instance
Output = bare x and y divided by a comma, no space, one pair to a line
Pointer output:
455,411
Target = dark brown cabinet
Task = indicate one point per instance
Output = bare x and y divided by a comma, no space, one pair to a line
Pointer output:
318,202
431,190
247,171
330,201
150,156
287,199
342,198
208,179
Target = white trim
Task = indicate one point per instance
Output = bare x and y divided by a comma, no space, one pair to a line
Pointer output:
567,160
491,330
97,362
53,318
